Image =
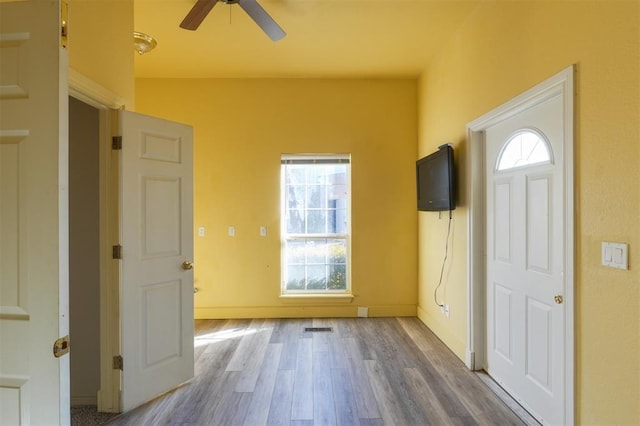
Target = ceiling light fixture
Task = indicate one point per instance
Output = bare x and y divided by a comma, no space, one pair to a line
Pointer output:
143,43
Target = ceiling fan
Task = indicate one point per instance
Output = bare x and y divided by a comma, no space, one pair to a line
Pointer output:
202,8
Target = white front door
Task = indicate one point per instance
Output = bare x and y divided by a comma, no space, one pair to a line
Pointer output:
156,303
524,184
34,385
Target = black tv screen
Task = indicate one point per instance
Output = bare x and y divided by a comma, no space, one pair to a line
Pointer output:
435,178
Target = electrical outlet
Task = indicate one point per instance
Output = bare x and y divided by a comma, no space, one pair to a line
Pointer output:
446,311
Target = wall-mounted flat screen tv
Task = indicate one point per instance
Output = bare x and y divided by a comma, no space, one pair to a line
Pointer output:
436,179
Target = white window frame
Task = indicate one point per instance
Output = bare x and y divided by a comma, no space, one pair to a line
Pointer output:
289,159
511,140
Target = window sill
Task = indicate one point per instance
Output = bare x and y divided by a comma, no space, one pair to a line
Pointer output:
316,297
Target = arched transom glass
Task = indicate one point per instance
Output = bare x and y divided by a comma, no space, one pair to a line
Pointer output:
525,147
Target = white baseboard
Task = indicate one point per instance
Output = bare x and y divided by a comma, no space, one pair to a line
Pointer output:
470,360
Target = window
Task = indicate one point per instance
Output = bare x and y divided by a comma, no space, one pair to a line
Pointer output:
526,147
316,199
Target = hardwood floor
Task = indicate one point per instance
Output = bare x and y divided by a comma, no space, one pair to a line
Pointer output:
366,371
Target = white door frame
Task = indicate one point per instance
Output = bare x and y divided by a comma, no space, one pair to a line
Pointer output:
560,84
91,93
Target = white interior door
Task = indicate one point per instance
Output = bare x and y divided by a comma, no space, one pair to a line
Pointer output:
525,258
34,385
156,303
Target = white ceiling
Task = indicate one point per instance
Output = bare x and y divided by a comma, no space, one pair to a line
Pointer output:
325,38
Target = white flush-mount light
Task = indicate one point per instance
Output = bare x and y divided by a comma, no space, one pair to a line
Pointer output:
143,43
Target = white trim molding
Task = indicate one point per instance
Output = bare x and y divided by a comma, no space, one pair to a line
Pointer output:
561,84
86,90
107,104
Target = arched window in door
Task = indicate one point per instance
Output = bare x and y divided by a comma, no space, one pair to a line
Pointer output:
525,147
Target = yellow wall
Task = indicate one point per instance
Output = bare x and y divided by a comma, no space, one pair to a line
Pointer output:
502,50
101,44
241,128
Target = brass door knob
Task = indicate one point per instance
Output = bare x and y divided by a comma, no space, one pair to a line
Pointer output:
186,265
558,298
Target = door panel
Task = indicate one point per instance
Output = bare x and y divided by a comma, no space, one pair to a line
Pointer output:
502,321
161,225
538,225
34,385
157,237
162,317
525,231
502,214
538,343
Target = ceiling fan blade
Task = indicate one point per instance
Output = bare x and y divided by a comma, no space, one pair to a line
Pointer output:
197,14
262,18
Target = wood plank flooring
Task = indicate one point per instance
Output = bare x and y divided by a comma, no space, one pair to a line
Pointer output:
366,371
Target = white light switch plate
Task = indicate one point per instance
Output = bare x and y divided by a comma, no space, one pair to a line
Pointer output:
615,255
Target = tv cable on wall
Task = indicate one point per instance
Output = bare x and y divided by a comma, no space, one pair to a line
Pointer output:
444,261
436,192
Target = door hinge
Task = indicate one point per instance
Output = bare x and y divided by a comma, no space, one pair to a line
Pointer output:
116,143
64,24
117,252
118,363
